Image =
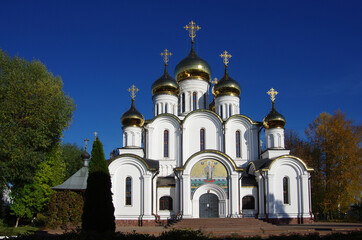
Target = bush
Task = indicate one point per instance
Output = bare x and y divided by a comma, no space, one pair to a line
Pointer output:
65,208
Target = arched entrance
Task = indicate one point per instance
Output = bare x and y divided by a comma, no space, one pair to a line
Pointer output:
208,206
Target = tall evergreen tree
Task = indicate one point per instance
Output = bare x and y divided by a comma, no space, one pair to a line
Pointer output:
98,212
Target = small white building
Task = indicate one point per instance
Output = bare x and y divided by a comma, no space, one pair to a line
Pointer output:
199,160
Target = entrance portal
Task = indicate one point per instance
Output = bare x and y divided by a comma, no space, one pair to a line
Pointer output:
208,206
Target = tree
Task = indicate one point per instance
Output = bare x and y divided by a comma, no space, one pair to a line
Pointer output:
98,212
336,143
71,156
34,197
34,111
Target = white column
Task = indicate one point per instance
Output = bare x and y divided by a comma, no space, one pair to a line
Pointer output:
234,192
147,194
186,189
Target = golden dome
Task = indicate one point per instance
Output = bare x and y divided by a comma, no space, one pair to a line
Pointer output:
165,84
274,119
193,67
132,117
226,86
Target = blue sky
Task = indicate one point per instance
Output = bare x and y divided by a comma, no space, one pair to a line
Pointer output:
309,51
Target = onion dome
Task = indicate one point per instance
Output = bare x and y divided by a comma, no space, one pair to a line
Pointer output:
193,67
273,119
85,155
132,117
165,84
227,86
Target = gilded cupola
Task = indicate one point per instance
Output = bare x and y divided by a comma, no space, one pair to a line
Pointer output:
165,84
226,85
132,118
193,66
273,119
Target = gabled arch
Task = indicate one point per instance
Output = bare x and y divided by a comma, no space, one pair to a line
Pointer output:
130,159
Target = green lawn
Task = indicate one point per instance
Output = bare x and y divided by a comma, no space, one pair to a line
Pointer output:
11,231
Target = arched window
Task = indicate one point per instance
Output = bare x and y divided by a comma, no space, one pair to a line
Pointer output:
128,191
183,102
202,139
156,109
237,142
286,190
248,203
125,140
230,109
166,108
165,143
194,101
166,203
221,112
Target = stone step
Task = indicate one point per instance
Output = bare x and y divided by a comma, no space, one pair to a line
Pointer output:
224,223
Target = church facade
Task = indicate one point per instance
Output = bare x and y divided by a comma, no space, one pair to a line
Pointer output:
196,159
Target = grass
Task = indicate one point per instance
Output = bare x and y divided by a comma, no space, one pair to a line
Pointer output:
11,231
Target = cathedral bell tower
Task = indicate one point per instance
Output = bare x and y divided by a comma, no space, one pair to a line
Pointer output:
193,74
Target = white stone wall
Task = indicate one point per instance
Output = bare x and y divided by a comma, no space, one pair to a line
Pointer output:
227,106
192,125
132,136
187,88
165,103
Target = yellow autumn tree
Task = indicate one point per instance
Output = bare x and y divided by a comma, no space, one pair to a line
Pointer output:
337,161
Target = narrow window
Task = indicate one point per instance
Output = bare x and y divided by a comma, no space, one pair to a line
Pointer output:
166,108
230,109
221,112
156,109
202,139
165,143
128,191
286,190
183,102
125,140
248,203
165,203
194,101
237,142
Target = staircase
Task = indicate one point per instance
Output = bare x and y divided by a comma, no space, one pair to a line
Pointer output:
227,226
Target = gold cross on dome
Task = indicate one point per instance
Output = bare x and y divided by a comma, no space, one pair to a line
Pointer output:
225,55
165,54
214,81
133,91
192,28
272,93
86,143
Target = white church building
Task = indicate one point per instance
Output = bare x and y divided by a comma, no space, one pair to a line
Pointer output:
196,159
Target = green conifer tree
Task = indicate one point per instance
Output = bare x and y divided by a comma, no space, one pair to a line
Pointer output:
98,211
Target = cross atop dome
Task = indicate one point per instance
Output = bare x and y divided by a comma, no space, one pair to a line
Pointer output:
192,28
272,93
133,90
214,81
225,56
86,143
166,54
